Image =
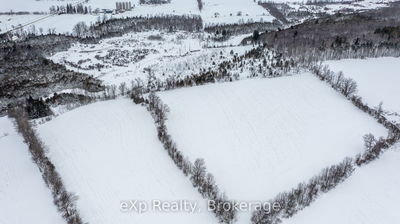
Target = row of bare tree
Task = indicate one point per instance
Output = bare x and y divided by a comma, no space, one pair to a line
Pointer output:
201,179
304,194
65,201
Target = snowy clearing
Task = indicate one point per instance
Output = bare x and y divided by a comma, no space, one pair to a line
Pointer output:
256,135
134,55
369,196
107,152
377,78
24,197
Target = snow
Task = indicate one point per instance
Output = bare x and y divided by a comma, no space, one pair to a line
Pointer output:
109,151
260,137
377,78
24,197
369,196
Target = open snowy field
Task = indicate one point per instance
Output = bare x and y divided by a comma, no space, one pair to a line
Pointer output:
369,196
135,55
377,78
107,152
24,197
233,11
260,137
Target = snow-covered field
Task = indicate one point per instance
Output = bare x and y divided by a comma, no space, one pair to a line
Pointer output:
134,55
24,197
62,24
262,136
107,152
369,196
378,79
233,11
214,12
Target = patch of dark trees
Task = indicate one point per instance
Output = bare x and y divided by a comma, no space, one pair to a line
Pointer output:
37,108
224,31
201,179
118,27
304,194
65,201
71,9
370,33
26,72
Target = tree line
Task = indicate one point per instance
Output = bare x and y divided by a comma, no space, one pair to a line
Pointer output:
71,9
373,147
201,179
65,201
304,194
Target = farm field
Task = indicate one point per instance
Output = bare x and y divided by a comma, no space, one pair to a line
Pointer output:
369,196
262,136
377,78
24,197
108,152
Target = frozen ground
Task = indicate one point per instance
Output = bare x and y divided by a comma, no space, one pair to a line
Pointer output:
107,152
260,137
377,78
24,197
369,196
134,55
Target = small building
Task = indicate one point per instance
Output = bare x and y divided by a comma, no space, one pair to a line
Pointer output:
108,11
